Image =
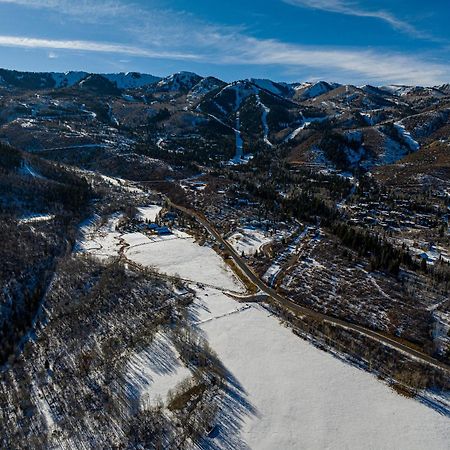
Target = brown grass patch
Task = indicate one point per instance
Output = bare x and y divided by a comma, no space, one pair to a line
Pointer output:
193,394
403,390
251,288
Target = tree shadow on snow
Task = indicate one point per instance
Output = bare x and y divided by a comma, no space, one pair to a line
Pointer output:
159,359
233,410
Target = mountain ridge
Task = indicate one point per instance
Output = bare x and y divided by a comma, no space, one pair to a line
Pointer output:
134,79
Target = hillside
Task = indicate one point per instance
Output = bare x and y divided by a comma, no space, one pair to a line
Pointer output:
191,263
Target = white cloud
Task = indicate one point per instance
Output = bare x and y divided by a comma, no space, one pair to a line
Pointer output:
224,49
181,36
340,64
88,10
352,8
90,46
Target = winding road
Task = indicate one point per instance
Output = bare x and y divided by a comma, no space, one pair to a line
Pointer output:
390,341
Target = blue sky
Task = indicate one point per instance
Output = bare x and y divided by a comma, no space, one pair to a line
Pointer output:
354,41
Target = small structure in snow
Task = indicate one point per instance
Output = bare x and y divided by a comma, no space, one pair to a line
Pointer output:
163,231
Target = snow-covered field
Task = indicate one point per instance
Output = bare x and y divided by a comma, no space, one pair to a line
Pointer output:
248,240
182,256
285,393
174,254
282,391
100,241
296,396
149,212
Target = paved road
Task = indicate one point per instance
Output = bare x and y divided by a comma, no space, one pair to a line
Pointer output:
302,310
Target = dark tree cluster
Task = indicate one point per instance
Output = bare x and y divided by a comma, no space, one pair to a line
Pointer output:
29,249
383,256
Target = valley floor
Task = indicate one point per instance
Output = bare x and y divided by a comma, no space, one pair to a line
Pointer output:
282,392
297,396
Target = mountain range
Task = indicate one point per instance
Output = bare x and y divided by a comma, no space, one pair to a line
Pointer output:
186,117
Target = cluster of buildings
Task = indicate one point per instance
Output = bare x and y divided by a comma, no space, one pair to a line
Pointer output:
156,229
159,229
390,218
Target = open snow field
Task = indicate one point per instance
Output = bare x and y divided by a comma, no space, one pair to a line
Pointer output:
174,254
294,396
182,256
101,241
248,240
149,212
283,393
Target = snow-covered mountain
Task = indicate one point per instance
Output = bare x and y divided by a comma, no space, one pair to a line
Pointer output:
205,86
389,121
67,79
180,81
282,89
48,80
311,90
445,88
130,80
401,90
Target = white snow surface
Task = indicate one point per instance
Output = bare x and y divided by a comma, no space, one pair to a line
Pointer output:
392,151
270,86
154,371
149,212
412,144
123,80
203,87
102,242
239,141
264,112
120,182
129,80
181,256
242,90
178,81
397,90
306,122
43,406
283,393
311,90
36,217
248,240
272,273
287,394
